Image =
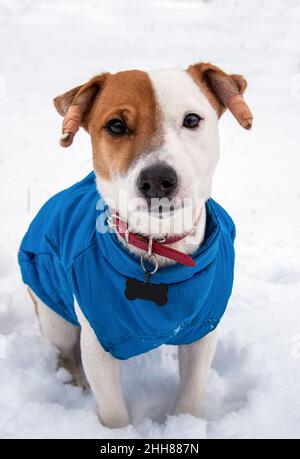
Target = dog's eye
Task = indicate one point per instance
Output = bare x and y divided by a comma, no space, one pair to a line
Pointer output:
191,120
116,127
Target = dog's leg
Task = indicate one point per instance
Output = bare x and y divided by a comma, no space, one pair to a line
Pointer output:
103,374
194,363
63,335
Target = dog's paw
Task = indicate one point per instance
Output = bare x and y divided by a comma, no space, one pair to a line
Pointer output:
113,422
76,374
194,409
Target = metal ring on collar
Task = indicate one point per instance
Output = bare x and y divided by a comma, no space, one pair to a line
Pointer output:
161,240
153,260
150,246
126,234
111,221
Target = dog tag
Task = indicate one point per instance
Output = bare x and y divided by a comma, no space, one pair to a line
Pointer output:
158,293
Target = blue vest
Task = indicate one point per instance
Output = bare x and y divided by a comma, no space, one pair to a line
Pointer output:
63,254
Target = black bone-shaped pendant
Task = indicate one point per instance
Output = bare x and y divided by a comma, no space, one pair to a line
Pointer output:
158,293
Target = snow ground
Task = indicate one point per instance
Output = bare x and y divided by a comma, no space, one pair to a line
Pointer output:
47,47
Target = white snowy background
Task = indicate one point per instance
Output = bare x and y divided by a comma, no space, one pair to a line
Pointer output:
48,47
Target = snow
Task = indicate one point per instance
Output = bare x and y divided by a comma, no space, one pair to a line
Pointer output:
48,47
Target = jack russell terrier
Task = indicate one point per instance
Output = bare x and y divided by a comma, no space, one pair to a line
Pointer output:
137,254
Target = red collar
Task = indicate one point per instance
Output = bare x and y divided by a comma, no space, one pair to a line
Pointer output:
157,247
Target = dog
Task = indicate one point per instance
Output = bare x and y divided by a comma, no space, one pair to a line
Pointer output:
162,246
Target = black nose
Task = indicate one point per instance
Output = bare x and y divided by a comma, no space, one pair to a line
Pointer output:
157,181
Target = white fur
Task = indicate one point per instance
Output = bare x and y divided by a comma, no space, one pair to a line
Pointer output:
194,155
194,363
103,371
63,335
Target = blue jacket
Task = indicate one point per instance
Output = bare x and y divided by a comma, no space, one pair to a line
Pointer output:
63,255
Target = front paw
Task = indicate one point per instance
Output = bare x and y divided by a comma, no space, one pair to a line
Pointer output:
187,407
115,422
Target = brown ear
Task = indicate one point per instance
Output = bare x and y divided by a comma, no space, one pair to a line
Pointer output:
223,91
74,106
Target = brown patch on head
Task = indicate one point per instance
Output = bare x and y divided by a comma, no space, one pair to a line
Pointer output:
75,106
126,95
197,72
223,91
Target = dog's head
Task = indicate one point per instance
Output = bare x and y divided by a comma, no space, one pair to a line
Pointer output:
155,139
